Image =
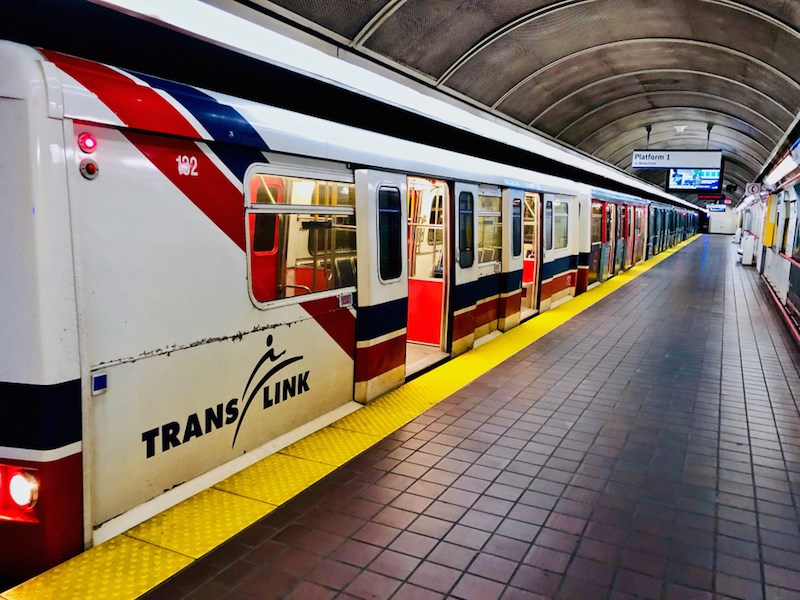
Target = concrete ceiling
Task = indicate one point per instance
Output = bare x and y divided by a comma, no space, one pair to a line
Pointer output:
594,73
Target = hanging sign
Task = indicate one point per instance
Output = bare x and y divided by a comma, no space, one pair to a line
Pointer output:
677,159
753,189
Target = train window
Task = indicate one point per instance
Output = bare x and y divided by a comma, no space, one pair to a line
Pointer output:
530,237
466,212
490,229
389,233
516,224
560,225
597,223
548,225
265,233
436,217
796,246
302,236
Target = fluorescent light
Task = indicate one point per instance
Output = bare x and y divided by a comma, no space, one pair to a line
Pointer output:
208,22
786,166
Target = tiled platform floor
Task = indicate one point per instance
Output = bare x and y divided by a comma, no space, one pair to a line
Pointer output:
649,448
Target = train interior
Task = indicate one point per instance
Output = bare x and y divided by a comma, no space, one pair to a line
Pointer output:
531,258
427,204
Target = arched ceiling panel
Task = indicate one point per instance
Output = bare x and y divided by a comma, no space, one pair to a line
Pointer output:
581,128
664,120
730,142
586,100
489,72
414,35
594,73
344,18
545,87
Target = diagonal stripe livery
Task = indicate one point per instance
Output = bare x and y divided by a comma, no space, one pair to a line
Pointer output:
236,143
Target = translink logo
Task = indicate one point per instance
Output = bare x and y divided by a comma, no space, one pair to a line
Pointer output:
272,385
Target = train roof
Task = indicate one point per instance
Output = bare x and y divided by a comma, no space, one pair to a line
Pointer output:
129,99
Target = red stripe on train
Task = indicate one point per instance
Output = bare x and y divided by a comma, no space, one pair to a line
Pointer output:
464,324
139,106
486,312
557,284
339,323
209,189
380,358
510,305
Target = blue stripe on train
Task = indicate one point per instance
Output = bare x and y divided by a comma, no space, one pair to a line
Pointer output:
381,319
471,293
46,417
558,266
238,144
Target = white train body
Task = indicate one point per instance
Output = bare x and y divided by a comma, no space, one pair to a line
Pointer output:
154,341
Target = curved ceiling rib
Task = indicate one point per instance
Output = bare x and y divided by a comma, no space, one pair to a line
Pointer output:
648,95
376,21
506,29
529,18
584,54
657,117
636,140
607,80
594,73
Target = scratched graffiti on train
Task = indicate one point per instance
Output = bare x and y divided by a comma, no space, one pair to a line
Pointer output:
274,390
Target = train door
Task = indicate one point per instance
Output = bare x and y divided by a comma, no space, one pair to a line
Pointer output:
621,235
427,208
639,233
490,258
611,236
509,310
532,251
606,266
382,278
630,236
597,243
466,267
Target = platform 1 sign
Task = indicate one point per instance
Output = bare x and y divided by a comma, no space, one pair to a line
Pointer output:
677,159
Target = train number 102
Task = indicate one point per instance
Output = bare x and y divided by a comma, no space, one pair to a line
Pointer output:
187,165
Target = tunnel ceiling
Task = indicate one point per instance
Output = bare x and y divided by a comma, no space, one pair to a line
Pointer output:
594,73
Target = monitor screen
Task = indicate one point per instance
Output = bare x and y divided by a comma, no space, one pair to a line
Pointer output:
689,180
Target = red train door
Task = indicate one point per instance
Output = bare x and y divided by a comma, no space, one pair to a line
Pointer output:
427,206
265,237
596,249
629,235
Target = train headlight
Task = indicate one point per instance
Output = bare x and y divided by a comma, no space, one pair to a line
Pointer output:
23,487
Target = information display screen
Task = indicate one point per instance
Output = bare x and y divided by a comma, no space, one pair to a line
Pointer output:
689,180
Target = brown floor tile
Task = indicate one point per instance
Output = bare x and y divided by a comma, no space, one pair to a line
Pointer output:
606,460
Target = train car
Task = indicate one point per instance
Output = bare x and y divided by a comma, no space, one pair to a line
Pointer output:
771,232
192,281
618,234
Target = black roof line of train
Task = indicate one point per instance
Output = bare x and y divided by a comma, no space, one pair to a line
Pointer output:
105,35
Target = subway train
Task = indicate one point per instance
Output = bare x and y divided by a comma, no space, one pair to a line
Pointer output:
191,280
772,224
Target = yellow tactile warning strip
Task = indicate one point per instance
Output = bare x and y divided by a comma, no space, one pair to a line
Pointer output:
231,514
275,479
141,558
120,568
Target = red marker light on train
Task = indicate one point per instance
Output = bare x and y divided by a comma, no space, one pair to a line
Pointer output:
89,168
87,142
23,487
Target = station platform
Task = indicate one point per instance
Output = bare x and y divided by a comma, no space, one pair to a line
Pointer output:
639,441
